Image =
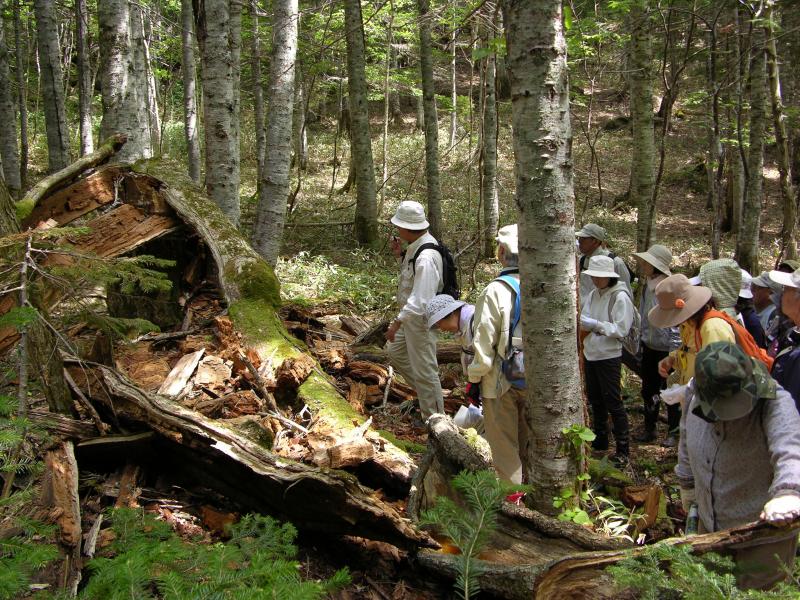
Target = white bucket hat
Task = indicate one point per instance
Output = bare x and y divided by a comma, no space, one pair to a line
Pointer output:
790,279
410,215
745,291
659,256
439,307
592,230
509,236
601,266
765,281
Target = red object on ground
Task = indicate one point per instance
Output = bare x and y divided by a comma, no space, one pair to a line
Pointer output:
515,498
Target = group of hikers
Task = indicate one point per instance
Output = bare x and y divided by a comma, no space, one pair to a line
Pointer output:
720,351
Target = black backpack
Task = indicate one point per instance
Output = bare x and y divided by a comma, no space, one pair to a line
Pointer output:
450,284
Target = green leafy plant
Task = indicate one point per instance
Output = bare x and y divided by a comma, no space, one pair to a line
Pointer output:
147,560
673,571
470,526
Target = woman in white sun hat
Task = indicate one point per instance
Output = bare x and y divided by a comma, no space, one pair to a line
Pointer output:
657,343
447,314
607,316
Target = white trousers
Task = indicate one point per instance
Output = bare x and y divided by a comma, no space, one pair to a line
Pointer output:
413,355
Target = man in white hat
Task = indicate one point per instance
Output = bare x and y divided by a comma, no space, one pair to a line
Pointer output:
411,344
503,405
591,240
786,369
764,289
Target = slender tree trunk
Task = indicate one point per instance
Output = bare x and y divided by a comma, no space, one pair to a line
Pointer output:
52,85
491,205
85,92
258,97
9,156
273,184
361,145
715,161
153,116
536,60
453,77
431,119
22,92
738,173
788,192
643,147
122,79
419,122
218,26
42,351
386,102
747,245
189,90
301,106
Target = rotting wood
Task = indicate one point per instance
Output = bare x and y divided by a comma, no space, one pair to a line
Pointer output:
78,199
60,490
294,371
446,353
258,477
62,425
353,324
180,374
90,543
350,453
103,428
103,152
128,489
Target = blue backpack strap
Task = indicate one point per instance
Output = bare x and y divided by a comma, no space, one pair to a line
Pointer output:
514,285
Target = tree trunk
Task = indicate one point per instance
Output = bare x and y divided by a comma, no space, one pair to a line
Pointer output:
537,65
643,148
301,131
491,205
366,220
453,77
189,90
52,85
85,91
122,79
259,113
387,91
715,159
218,24
273,182
22,92
788,192
431,119
9,157
43,356
747,244
151,104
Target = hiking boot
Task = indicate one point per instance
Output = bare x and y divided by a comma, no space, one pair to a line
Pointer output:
600,443
646,436
670,442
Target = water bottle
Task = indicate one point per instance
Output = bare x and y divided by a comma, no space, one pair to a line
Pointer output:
692,520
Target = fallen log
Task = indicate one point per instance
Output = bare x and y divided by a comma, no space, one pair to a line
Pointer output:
446,352
316,499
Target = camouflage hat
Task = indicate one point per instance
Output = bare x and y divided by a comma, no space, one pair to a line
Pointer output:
724,278
729,383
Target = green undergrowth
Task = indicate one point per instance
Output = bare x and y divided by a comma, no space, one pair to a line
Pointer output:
404,445
665,571
148,560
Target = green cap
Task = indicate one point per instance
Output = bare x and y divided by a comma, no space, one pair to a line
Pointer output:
729,383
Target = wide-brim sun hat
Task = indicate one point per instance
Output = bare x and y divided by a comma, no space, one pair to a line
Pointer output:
765,281
729,383
744,290
410,215
509,235
592,230
658,256
601,266
439,307
790,279
677,300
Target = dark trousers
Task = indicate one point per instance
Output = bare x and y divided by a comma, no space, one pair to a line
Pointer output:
602,389
652,384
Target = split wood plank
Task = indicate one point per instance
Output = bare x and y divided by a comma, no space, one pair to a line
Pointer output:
60,491
180,374
62,425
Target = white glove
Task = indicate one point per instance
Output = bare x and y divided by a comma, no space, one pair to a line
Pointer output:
589,323
688,497
674,394
781,510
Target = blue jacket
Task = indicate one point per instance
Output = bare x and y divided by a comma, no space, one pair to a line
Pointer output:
753,324
786,369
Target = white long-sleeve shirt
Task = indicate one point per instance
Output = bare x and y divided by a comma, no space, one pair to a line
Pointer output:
605,341
585,281
418,285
